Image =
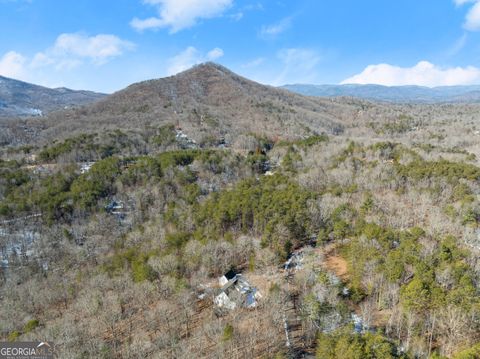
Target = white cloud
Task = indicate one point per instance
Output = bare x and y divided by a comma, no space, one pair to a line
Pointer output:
237,16
276,29
183,61
12,65
423,74
190,57
299,65
18,1
214,54
99,48
67,52
462,2
472,19
180,14
149,23
254,63
71,50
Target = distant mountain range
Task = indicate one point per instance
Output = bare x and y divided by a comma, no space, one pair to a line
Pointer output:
398,94
18,98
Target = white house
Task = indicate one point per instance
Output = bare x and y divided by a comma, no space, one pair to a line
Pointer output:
236,292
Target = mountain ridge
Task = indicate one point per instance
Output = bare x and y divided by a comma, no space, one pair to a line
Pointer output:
23,99
395,94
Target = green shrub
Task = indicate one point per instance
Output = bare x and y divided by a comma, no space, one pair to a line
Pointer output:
312,141
13,336
31,325
141,170
97,183
470,217
177,240
165,135
133,259
227,333
345,345
257,162
177,158
141,271
470,353
368,204
291,160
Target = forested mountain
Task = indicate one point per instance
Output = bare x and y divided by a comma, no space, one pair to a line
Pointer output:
210,100
207,216
18,98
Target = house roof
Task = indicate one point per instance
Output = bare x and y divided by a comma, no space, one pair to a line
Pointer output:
236,290
228,285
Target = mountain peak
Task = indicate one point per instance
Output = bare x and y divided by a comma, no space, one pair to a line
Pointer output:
209,100
208,67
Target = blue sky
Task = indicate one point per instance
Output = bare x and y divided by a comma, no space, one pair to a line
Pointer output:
106,45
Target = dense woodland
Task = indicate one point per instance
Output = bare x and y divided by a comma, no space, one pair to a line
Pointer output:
385,216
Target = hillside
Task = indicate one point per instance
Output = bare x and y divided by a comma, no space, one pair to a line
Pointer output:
396,94
208,100
18,98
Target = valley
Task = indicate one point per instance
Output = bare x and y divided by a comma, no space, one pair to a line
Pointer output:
357,222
